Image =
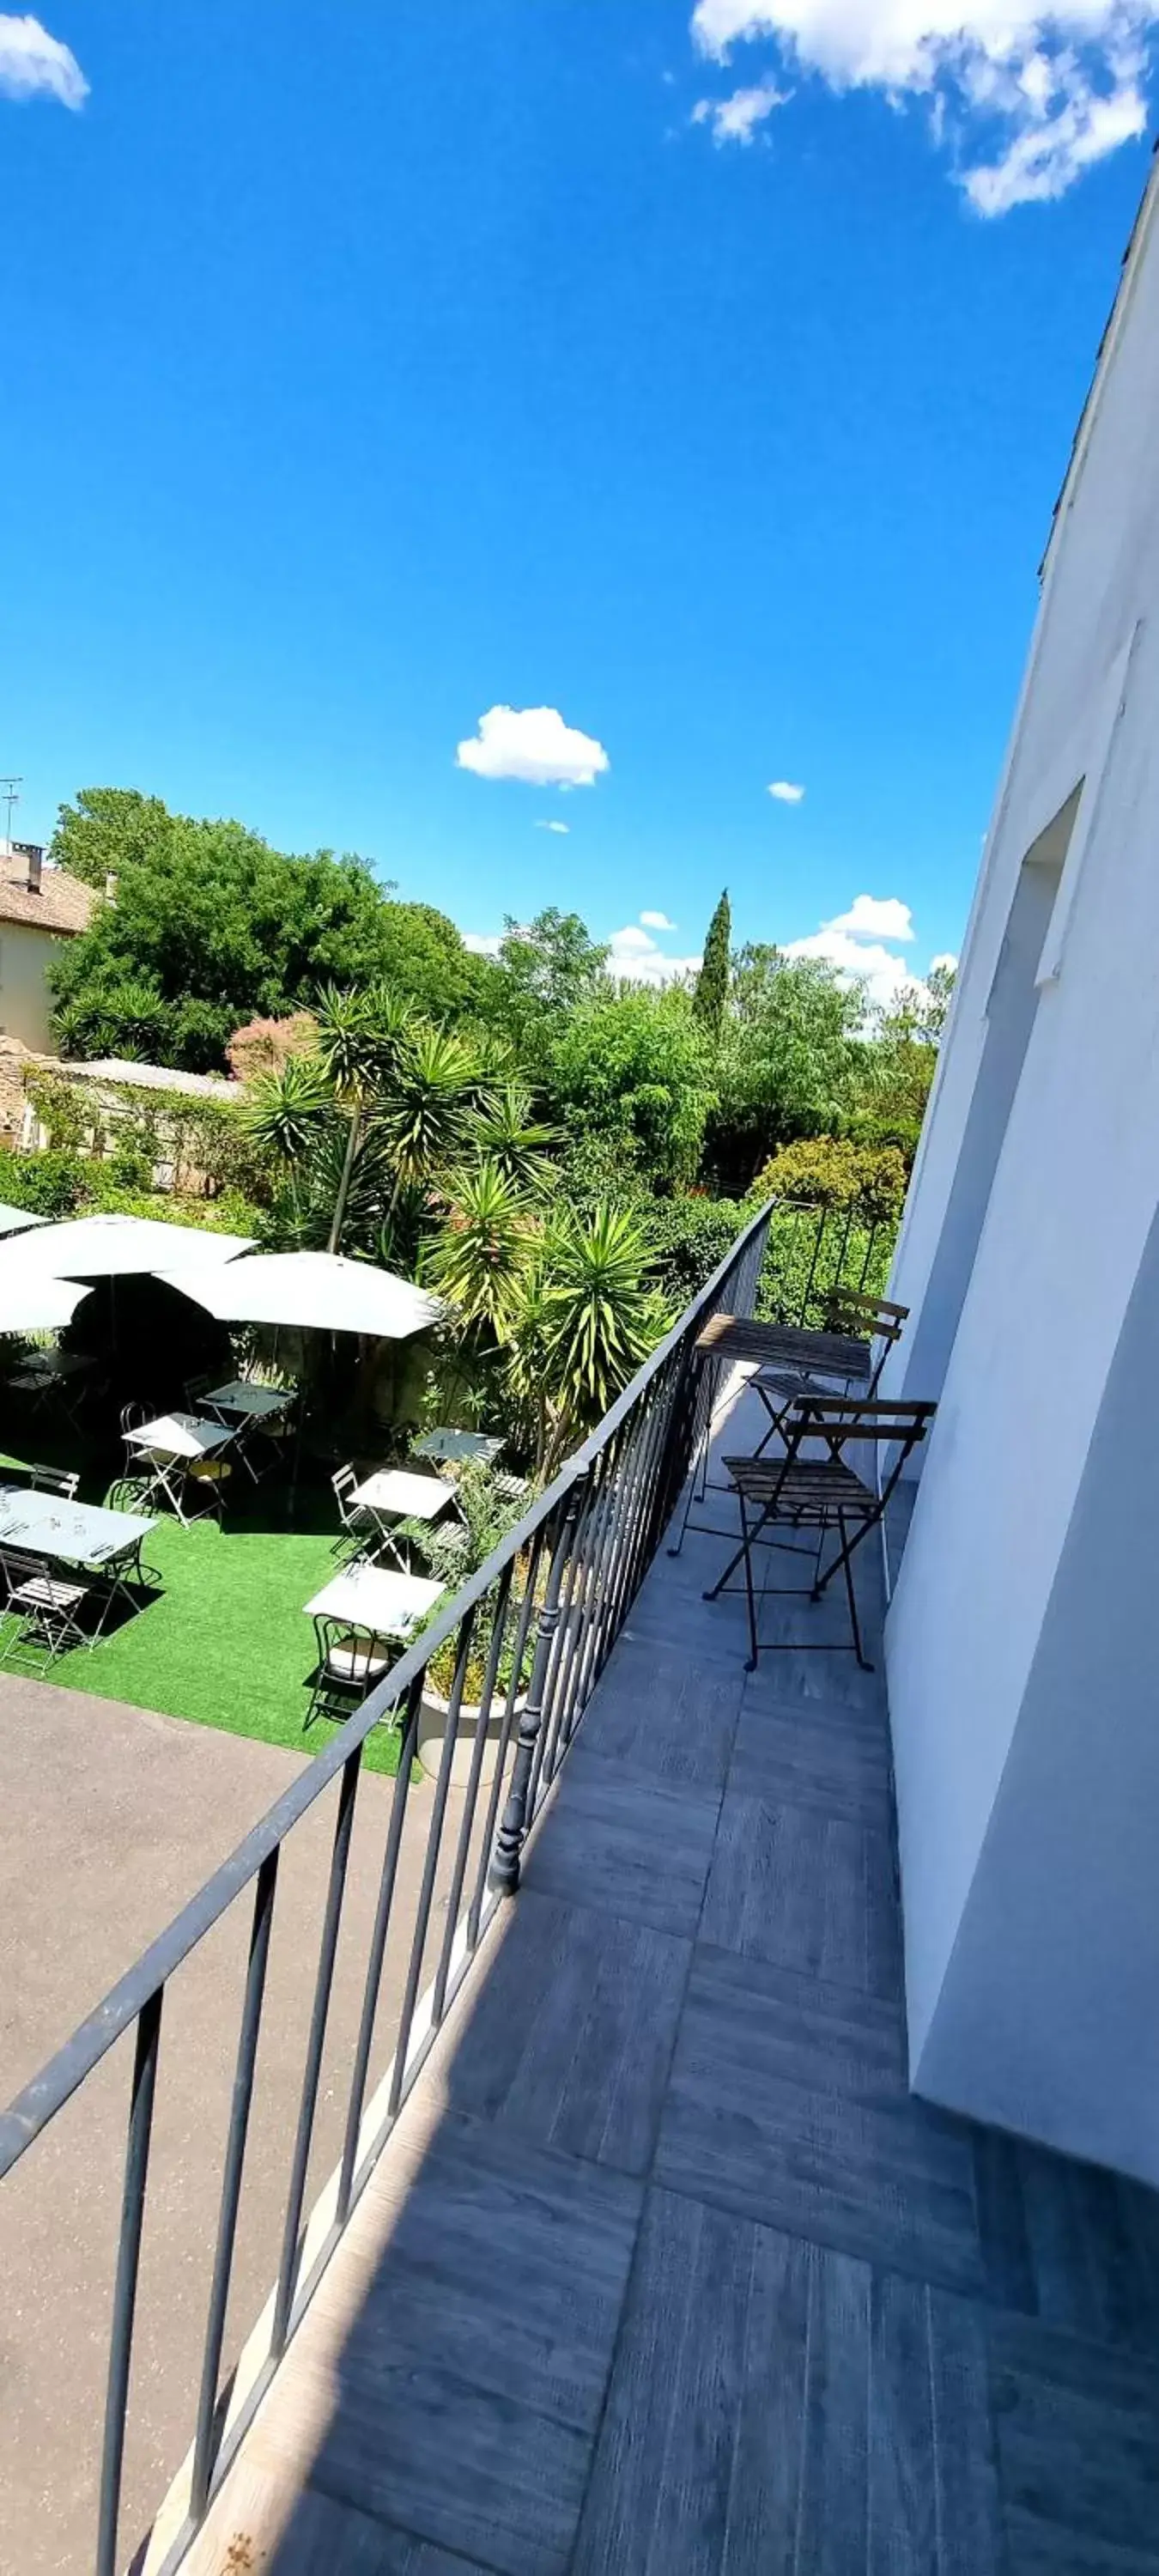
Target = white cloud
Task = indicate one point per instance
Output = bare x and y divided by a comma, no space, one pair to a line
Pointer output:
882,973
483,943
875,917
34,64
543,826
785,792
633,953
534,744
735,119
657,921
1029,96
948,960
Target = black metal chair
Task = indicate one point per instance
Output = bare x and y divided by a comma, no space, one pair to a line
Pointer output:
349,1663
819,1493
835,1359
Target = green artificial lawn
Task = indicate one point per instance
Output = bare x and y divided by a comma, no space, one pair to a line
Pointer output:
225,1643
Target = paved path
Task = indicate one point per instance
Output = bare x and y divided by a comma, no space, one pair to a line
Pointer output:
664,2271
110,1819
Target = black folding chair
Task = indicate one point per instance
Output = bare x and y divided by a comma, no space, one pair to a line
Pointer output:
841,1355
822,1494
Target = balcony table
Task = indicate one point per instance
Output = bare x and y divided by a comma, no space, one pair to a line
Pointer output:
393,1495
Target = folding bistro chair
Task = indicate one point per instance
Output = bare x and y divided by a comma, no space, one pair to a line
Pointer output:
358,1521
43,1603
819,1493
851,1316
53,1480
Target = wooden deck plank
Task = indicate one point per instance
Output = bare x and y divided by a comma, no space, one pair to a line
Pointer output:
570,2040
833,2147
636,1849
470,2384
664,1716
807,1889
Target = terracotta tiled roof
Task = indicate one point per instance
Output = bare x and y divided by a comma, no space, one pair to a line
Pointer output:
63,904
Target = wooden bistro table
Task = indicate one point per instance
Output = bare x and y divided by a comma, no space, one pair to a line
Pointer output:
792,1354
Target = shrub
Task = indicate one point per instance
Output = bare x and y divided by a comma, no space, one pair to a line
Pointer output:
688,1239
49,1185
264,1046
836,1171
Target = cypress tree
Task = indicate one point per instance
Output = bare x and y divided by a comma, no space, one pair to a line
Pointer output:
711,991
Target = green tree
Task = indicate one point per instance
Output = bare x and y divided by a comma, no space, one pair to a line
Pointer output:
791,1059
221,928
711,993
545,970
633,1068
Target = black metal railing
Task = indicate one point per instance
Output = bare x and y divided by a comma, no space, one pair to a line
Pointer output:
814,1250
530,1633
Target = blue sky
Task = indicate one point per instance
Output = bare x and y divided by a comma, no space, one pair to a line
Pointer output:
704,378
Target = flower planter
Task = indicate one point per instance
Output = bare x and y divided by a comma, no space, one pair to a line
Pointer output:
433,1715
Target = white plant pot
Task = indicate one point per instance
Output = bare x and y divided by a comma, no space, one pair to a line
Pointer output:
433,1715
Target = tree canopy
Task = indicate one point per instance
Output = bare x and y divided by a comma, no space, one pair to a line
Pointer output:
205,925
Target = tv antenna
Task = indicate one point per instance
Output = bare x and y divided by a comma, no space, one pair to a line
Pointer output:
10,796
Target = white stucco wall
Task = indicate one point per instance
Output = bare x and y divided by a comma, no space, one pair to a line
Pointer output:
25,1006
1075,1189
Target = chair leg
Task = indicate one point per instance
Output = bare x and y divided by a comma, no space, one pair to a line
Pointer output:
754,1649
845,1560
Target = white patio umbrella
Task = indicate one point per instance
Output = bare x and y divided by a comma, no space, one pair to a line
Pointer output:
310,1292
14,1220
114,1247
36,1303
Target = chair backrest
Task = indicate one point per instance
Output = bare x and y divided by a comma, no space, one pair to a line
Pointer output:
195,1387
344,1482
17,1566
132,1416
53,1480
857,1310
846,1421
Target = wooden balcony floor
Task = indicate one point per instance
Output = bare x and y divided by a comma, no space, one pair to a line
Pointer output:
665,2272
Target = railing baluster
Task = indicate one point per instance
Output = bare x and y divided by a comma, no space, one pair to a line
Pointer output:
491,1675
283,2298
141,2100
818,1240
504,1871
382,1913
526,1611
559,1669
574,1693
204,2448
430,1865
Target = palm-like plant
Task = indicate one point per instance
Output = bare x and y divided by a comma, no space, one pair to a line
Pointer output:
481,1260
506,1131
362,1041
426,1110
286,1112
602,1313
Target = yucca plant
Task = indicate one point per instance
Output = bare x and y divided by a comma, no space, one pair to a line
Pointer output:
602,1313
482,1256
508,1133
425,1111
